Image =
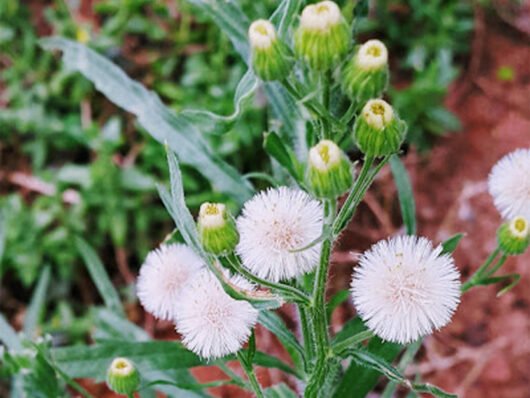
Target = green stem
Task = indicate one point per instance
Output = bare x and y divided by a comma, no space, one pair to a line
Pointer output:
310,104
289,291
477,276
349,114
249,371
494,269
344,345
362,184
307,335
318,311
234,378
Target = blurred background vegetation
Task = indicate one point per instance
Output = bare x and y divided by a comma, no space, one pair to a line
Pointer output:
74,164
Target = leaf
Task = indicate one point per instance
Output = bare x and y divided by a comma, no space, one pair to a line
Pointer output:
350,328
36,306
183,218
100,277
405,194
93,361
513,280
433,390
40,381
273,323
450,244
278,149
8,335
285,15
366,358
177,130
279,391
269,361
366,378
406,359
231,20
113,327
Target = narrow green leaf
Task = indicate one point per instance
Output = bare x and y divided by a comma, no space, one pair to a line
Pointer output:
450,245
350,328
93,361
183,220
231,20
273,323
279,150
269,361
180,134
100,277
285,15
110,326
406,359
366,378
36,306
433,390
8,335
366,358
405,194
280,391
512,279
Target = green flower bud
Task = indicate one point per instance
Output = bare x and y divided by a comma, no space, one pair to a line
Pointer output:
217,229
514,236
329,172
122,377
323,36
378,130
271,58
365,75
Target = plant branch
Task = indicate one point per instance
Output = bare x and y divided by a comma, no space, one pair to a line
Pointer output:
249,371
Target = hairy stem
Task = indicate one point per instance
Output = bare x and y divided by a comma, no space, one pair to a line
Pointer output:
363,182
318,311
307,335
289,291
249,371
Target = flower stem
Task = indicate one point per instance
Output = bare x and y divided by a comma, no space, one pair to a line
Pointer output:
289,291
249,371
307,335
310,104
318,311
477,276
365,179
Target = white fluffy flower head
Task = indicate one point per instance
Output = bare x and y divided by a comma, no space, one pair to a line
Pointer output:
404,288
378,113
261,34
273,225
320,16
509,184
372,55
165,272
213,324
324,155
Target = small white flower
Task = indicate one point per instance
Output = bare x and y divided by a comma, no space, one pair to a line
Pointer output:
212,215
324,155
320,16
261,34
162,276
519,227
211,323
377,113
404,288
509,184
272,226
372,55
